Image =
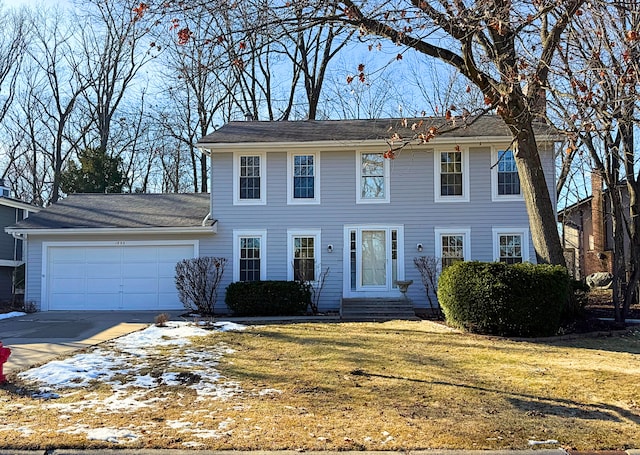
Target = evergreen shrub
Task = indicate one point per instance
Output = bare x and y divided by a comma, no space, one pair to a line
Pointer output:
508,300
268,298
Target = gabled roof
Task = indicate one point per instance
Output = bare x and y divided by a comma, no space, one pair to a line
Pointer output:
18,204
121,212
355,130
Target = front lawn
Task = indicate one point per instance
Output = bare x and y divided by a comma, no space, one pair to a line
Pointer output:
391,386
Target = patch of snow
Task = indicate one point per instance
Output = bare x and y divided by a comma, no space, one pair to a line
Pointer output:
113,435
226,326
264,392
23,430
548,441
12,314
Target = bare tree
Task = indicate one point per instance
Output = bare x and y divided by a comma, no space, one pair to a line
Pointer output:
596,97
505,49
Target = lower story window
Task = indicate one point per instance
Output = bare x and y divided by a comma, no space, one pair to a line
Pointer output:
511,245
304,254
510,248
452,250
249,256
452,245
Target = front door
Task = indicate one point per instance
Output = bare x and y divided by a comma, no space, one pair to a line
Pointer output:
373,260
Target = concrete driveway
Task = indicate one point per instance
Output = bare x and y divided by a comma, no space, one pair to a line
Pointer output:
37,338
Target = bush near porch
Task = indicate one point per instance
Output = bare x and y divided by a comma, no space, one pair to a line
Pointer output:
509,300
268,298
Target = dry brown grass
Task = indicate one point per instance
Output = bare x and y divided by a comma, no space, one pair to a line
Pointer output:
391,386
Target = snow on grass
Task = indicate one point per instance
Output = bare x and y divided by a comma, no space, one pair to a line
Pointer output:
13,314
133,366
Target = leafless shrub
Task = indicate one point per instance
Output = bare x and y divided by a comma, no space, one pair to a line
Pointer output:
161,320
429,266
197,282
315,287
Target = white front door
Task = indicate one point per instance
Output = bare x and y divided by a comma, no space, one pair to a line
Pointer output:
373,260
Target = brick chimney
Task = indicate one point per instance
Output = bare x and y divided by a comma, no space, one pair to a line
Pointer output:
596,258
597,212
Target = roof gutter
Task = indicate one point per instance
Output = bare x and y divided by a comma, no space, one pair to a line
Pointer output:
21,233
208,148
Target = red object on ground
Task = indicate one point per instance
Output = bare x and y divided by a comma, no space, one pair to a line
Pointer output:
4,356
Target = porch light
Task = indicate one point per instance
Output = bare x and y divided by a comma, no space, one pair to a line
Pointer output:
330,248
419,247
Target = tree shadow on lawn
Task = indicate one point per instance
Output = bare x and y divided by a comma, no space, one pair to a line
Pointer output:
535,405
624,341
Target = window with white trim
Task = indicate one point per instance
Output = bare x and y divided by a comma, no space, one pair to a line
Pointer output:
304,254
511,245
505,181
452,245
303,178
451,175
373,177
249,255
249,178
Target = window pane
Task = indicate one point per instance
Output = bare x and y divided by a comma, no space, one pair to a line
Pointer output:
352,258
452,249
451,174
303,177
372,171
511,248
304,258
249,258
508,180
249,177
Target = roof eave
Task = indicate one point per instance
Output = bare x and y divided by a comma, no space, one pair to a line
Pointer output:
209,147
212,229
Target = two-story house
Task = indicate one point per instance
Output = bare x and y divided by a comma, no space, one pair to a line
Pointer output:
12,249
295,199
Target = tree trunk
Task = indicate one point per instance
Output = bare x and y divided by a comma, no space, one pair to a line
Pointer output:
542,215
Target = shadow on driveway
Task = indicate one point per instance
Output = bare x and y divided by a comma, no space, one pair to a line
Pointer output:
38,338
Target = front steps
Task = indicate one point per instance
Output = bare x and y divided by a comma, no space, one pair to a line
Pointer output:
378,309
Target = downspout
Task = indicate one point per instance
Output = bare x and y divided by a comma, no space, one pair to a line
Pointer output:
204,221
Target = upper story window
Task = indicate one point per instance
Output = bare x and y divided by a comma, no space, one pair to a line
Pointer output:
452,245
505,182
249,178
249,255
451,175
303,178
373,178
511,245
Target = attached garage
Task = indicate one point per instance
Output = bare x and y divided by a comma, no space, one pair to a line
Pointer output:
128,276
113,251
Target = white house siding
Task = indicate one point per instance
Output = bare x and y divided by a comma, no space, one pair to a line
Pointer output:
412,206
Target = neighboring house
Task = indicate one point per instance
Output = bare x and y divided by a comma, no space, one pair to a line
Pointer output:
293,199
12,249
587,231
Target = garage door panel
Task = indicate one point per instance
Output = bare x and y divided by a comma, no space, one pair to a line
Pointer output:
67,286
139,270
136,277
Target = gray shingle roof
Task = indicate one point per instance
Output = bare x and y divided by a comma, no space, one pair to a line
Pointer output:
352,130
124,211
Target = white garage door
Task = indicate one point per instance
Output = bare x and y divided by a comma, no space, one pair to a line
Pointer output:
126,277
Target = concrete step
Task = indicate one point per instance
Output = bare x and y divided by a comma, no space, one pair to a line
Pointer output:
376,309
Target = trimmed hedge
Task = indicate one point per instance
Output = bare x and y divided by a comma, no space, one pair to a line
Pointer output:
268,298
509,300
